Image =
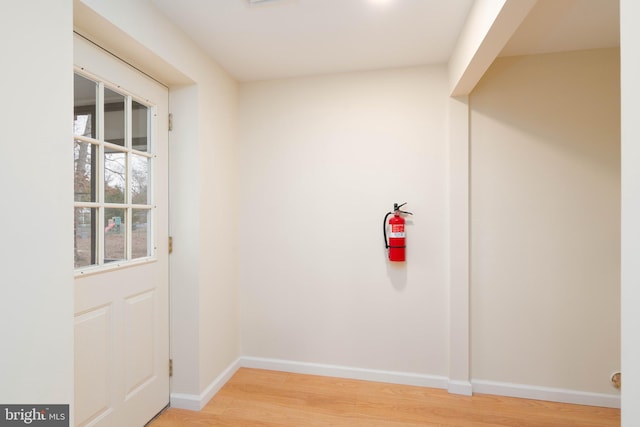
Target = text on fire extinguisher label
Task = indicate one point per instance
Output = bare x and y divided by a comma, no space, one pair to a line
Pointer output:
397,231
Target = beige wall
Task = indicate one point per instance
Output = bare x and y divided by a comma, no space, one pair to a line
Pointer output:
36,169
545,221
322,160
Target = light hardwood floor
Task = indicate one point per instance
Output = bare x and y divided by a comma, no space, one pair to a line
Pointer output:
266,398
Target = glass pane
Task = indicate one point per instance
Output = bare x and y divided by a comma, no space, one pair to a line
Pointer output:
140,234
114,122
115,176
84,106
85,174
115,235
139,126
139,179
84,233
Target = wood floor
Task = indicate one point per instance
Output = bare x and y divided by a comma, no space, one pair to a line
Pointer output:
266,398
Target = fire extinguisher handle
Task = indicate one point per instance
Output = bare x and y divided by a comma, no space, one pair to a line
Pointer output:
396,207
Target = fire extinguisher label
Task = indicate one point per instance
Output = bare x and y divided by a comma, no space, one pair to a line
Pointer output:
397,231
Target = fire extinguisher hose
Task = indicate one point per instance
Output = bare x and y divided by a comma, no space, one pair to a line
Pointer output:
384,229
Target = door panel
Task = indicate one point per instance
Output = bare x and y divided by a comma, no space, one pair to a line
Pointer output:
138,313
92,341
121,297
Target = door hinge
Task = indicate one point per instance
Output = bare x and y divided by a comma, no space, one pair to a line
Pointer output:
170,367
170,122
170,244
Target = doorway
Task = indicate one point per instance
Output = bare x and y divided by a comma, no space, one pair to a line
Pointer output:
121,241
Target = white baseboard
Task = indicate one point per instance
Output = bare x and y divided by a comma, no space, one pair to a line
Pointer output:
546,393
195,402
460,387
346,372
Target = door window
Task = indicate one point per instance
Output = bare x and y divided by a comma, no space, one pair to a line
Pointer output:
113,170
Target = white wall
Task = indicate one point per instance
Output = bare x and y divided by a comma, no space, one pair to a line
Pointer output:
630,70
205,332
322,160
545,221
36,165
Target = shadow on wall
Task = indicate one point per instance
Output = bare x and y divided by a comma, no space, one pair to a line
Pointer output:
397,272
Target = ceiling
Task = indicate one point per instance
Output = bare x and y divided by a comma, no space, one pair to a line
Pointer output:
288,38
566,25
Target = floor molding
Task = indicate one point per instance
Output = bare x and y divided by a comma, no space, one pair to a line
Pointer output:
346,372
460,387
195,402
546,393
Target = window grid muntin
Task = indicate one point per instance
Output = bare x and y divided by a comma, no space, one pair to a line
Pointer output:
101,205
91,143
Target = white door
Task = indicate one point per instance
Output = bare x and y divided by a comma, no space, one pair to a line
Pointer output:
120,242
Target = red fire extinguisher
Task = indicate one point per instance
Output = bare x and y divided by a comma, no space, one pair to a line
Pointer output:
396,244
